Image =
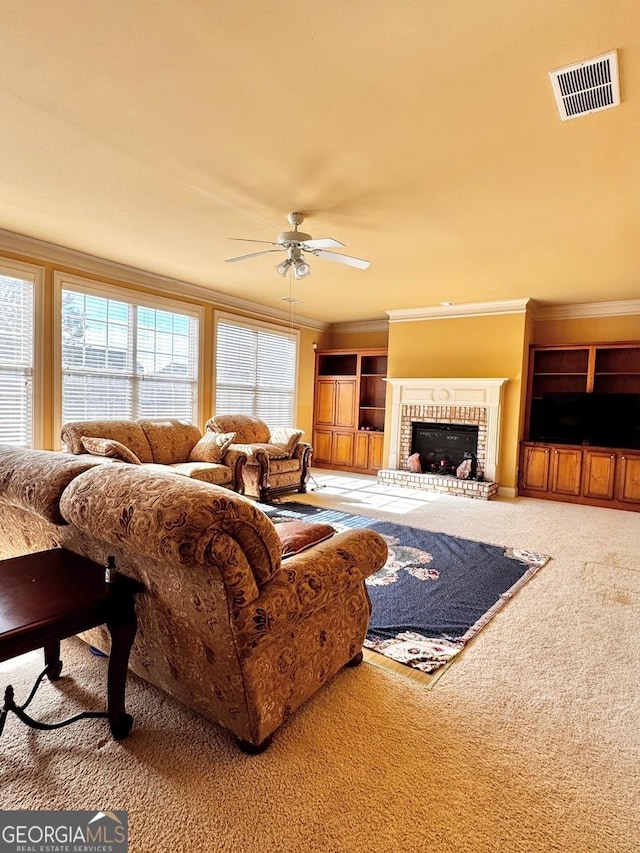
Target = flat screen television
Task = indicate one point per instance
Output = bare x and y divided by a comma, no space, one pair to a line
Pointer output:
603,420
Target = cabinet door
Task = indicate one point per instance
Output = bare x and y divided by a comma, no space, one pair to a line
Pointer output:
629,478
376,444
535,468
343,448
325,401
361,454
322,444
599,474
566,467
345,403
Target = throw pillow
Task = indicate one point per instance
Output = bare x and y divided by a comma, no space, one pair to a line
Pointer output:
297,536
212,447
109,447
286,438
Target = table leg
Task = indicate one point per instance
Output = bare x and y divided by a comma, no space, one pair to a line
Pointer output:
123,629
52,660
8,706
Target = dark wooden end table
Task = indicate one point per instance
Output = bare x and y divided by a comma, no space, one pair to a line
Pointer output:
51,595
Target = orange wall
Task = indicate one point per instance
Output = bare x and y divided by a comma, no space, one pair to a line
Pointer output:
467,347
358,340
587,330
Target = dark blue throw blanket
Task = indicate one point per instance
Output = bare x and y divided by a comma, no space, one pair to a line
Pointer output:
435,591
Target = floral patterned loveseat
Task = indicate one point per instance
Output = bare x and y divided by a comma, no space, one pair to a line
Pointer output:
226,625
160,441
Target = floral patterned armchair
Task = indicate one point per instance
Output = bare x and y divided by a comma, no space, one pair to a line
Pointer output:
277,461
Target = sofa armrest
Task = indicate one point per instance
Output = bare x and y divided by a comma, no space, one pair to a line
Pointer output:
309,581
236,459
302,449
304,453
35,480
174,519
255,455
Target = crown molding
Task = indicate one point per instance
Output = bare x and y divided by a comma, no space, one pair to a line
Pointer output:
363,326
583,310
469,309
52,253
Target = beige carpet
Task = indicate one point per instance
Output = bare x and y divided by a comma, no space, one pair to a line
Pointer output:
529,742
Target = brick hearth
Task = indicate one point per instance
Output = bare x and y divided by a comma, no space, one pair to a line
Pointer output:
435,483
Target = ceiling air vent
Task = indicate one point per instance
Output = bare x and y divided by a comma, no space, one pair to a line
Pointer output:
587,87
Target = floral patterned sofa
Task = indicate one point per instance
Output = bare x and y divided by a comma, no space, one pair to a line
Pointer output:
226,625
160,441
277,461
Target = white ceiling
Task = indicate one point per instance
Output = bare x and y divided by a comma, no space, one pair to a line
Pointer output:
422,134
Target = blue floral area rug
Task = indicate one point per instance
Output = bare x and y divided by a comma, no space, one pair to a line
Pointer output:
435,592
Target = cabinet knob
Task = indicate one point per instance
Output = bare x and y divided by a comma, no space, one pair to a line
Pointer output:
623,458
613,456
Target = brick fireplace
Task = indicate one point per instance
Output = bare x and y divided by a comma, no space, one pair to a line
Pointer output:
449,401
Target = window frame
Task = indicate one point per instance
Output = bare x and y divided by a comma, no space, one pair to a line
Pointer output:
90,287
257,326
35,274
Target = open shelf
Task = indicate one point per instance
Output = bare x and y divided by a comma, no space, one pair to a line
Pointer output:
600,368
338,364
373,365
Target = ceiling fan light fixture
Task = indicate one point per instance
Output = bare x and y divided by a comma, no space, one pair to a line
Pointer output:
301,269
283,267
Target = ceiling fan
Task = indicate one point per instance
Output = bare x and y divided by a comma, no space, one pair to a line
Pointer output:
296,243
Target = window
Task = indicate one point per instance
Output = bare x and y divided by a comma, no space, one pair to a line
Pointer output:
126,356
19,291
255,371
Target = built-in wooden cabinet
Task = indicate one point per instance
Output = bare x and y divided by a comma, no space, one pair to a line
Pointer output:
565,470
368,450
581,473
597,476
349,408
535,464
628,489
335,402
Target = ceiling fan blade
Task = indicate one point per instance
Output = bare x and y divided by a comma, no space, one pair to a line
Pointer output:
342,259
249,240
251,255
324,243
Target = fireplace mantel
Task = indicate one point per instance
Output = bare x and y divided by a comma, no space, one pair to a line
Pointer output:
483,394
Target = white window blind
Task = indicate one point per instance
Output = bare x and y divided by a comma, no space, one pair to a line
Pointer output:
255,372
124,359
16,360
